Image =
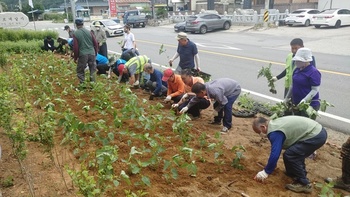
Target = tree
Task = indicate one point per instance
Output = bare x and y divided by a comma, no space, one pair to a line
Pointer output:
3,6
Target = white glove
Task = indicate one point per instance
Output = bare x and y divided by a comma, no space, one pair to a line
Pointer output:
167,99
136,83
261,176
274,79
184,96
184,110
215,113
302,101
175,105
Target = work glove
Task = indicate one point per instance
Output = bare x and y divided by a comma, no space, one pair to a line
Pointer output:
184,110
261,176
184,96
199,69
100,44
274,79
175,105
167,99
136,83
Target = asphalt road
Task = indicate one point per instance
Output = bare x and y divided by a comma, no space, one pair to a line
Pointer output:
240,52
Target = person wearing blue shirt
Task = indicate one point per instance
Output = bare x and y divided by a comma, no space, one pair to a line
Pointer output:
188,53
102,64
120,63
299,137
155,84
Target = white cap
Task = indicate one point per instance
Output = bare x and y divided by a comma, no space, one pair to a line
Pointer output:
303,55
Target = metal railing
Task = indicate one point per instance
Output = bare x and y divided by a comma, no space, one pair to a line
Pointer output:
254,18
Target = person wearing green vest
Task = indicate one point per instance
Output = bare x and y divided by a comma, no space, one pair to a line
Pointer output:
299,137
295,44
134,67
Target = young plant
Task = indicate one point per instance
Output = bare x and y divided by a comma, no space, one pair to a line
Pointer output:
236,162
326,190
266,72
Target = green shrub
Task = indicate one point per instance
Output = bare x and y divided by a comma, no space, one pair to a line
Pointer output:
22,46
54,16
15,35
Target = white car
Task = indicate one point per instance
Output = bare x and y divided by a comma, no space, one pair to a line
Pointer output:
110,27
300,17
331,17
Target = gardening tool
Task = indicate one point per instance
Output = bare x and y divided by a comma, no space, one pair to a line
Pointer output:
236,191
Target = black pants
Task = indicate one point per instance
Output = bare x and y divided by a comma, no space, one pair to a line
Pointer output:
103,50
196,108
102,69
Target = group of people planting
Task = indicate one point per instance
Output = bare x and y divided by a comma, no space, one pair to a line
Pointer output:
297,134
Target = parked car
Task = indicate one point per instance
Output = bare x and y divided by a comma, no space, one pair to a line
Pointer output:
135,18
110,27
331,17
300,17
180,27
206,22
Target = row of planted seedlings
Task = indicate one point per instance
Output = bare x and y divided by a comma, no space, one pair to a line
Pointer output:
121,142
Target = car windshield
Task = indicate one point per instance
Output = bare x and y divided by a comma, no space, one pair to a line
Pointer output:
110,23
298,12
327,12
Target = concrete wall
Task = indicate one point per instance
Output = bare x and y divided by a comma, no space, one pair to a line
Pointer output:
290,7
326,4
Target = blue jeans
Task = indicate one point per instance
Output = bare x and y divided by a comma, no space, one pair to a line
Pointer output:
294,156
225,113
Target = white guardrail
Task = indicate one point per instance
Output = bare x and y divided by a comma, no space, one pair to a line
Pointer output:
254,18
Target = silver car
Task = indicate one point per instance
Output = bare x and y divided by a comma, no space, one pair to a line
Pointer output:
206,22
110,27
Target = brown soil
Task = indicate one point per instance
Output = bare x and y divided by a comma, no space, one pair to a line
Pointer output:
47,175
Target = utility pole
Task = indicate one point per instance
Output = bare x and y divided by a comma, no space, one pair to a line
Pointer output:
65,6
266,13
72,3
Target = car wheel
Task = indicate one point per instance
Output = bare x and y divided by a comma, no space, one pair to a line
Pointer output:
203,29
307,23
144,25
107,34
227,25
337,24
317,26
290,25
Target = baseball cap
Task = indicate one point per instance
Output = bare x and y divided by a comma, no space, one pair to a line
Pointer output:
120,69
79,21
66,27
167,74
181,35
303,55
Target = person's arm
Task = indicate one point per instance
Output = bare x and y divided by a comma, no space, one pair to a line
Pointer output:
276,139
314,90
94,41
196,60
176,55
281,75
289,94
75,48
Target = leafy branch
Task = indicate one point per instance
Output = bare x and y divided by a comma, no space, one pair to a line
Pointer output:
266,72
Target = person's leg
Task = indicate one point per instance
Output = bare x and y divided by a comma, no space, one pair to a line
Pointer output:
103,50
102,69
82,61
227,122
294,156
196,108
218,118
92,67
176,99
178,70
148,85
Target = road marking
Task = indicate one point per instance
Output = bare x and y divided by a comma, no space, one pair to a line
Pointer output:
332,116
208,45
245,58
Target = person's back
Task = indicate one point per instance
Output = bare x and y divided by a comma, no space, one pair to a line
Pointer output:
85,42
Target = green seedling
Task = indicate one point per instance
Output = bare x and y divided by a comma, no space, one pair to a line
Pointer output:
236,162
266,72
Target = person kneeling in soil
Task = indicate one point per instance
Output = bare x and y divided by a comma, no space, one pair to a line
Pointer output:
155,85
299,136
102,64
176,86
344,181
134,68
189,103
